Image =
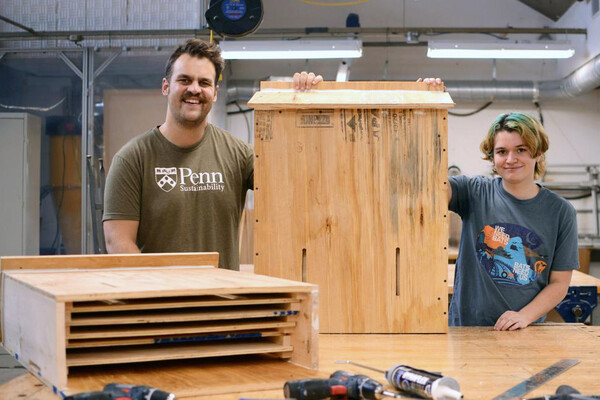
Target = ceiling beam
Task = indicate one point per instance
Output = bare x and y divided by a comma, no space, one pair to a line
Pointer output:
274,33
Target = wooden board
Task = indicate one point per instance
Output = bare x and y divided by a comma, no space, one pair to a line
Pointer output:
179,302
168,316
354,200
484,362
86,285
358,95
127,114
65,178
99,261
128,341
172,352
187,329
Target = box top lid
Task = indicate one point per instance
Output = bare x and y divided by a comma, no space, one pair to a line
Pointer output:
123,283
281,95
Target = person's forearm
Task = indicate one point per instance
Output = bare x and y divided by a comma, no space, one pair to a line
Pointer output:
545,301
121,247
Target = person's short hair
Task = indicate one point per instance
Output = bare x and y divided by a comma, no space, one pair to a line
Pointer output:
197,48
531,131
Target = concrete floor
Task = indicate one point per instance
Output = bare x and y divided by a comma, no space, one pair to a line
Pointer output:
9,367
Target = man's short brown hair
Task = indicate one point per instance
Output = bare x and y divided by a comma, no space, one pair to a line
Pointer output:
201,49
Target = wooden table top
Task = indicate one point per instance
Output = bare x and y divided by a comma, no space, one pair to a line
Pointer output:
485,363
578,279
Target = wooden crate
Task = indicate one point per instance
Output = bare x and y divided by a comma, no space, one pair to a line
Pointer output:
57,319
350,194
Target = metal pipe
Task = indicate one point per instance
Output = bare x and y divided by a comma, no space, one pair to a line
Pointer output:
106,63
473,91
594,172
86,86
18,25
278,33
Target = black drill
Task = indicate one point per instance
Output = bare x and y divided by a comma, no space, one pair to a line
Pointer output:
340,385
566,392
115,391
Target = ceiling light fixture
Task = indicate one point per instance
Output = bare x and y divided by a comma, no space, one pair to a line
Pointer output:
289,49
503,49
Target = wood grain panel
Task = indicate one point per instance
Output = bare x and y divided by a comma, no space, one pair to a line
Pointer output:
179,302
154,353
353,199
122,283
99,261
485,363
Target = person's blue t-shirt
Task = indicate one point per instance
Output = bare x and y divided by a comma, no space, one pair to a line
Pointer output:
507,248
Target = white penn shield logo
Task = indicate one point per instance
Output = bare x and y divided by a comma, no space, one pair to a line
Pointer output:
166,178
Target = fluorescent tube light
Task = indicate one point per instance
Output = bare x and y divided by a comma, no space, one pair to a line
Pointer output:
289,49
504,49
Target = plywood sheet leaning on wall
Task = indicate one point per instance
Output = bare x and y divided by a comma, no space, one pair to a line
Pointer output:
350,194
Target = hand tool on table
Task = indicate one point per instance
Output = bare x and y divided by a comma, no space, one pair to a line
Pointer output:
340,385
418,381
537,380
566,392
117,391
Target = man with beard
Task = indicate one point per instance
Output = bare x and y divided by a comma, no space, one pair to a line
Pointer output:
181,186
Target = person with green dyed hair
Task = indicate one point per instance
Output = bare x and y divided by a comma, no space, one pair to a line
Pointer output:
518,245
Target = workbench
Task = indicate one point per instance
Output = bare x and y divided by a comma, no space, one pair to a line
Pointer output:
485,363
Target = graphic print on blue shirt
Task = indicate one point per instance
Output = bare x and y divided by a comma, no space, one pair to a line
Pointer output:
508,253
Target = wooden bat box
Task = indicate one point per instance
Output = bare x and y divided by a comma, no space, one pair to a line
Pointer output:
56,319
350,194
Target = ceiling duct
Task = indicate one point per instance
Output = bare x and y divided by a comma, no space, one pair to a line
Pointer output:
553,9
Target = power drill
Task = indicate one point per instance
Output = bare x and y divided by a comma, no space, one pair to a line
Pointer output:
430,385
340,385
116,391
566,392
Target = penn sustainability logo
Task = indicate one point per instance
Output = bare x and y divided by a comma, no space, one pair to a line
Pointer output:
188,180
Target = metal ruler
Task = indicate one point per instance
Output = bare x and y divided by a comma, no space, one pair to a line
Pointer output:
537,380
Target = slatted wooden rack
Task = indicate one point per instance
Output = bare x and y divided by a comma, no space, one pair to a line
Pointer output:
57,319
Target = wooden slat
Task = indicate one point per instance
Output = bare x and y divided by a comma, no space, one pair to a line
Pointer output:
87,343
178,302
350,99
100,261
145,354
139,331
356,85
107,284
177,316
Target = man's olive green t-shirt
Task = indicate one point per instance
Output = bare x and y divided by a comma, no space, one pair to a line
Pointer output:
185,199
